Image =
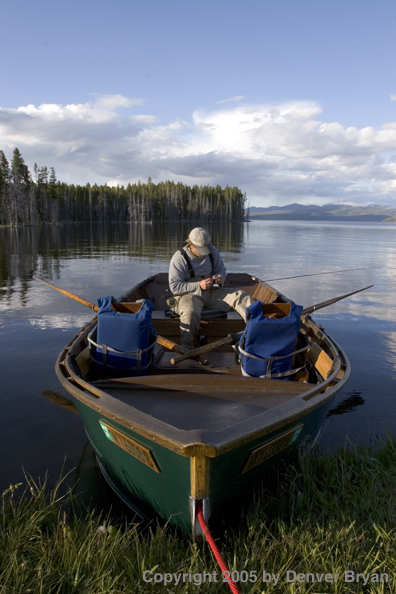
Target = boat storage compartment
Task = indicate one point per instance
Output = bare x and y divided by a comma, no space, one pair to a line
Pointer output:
268,344
123,341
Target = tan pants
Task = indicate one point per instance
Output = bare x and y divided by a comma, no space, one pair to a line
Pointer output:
190,307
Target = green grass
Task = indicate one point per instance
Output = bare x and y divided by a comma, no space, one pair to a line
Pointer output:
327,514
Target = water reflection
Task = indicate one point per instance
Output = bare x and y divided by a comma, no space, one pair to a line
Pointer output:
61,322
389,340
348,404
42,250
93,492
60,400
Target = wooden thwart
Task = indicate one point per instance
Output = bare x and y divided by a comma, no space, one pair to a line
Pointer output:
206,381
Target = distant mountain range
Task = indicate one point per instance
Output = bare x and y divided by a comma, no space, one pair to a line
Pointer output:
328,212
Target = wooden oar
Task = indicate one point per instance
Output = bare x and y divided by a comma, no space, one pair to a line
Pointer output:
233,338
172,346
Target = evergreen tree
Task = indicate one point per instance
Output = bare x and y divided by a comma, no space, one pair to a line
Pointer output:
20,186
52,179
4,189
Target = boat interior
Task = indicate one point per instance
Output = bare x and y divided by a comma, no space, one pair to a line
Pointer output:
192,394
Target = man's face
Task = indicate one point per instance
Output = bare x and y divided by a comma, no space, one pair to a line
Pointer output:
194,251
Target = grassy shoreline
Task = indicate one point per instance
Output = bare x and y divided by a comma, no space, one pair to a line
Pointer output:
327,514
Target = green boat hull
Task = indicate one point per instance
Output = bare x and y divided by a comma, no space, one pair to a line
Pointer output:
166,494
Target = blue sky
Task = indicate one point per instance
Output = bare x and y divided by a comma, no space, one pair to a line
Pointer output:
291,101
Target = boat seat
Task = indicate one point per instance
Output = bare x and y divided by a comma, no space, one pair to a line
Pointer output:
212,327
212,313
206,313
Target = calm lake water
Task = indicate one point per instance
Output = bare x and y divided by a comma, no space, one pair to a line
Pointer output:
40,434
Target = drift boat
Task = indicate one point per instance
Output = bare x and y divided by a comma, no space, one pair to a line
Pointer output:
189,436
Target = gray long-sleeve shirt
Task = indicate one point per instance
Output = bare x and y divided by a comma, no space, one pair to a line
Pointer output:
179,274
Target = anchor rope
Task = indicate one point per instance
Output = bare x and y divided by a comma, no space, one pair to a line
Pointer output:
216,551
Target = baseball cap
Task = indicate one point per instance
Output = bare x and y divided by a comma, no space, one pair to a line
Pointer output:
200,239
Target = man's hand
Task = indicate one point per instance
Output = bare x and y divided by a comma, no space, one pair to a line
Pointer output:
206,283
217,278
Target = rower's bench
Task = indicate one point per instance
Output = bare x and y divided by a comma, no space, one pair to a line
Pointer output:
212,328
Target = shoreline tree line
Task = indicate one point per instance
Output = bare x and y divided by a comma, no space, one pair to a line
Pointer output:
33,198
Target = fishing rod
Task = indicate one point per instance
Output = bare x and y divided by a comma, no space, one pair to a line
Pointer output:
269,280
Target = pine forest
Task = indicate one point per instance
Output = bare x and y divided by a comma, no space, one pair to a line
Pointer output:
32,198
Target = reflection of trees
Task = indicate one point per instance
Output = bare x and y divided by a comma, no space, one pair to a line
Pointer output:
161,240
40,250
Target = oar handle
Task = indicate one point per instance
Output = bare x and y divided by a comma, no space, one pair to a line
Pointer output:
203,349
68,294
177,348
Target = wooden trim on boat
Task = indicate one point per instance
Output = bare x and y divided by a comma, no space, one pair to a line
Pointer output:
265,293
320,359
200,473
83,361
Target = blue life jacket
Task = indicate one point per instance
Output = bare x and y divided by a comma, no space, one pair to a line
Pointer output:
123,341
267,345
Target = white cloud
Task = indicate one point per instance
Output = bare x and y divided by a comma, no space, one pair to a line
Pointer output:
235,99
105,109
284,152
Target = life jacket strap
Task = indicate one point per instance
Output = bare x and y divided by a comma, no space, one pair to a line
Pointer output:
137,354
270,360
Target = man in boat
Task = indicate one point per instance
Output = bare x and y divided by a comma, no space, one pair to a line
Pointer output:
196,277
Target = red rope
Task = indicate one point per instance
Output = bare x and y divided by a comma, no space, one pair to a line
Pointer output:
216,551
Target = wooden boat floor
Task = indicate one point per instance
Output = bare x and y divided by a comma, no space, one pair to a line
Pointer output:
195,401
